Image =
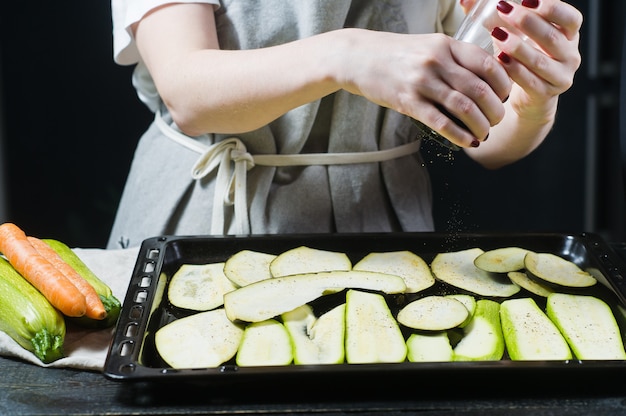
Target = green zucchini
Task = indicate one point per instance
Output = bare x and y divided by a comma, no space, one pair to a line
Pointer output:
529,334
264,343
429,347
111,304
482,337
372,333
28,317
588,325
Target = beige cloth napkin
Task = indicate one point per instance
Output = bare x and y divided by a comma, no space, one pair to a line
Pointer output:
86,349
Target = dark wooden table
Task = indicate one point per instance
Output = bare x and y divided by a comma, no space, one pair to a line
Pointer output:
26,389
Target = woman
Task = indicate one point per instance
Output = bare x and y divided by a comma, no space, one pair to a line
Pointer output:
234,82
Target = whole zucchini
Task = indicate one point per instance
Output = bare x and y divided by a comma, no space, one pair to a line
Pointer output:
28,317
111,304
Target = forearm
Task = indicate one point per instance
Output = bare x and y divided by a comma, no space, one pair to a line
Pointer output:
213,90
516,136
208,89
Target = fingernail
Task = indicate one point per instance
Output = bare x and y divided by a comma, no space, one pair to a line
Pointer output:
504,58
475,143
486,137
499,34
505,7
506,99
531,4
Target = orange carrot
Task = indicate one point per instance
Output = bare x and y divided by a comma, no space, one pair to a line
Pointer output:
59,291
95,308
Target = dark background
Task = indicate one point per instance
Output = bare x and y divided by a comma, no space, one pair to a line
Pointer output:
70,121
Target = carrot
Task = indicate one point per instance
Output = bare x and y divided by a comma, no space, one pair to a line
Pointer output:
25,259
95,308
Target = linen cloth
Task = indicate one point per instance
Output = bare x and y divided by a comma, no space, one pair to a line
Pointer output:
86,348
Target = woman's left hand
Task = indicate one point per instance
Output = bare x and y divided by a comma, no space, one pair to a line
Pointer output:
543,65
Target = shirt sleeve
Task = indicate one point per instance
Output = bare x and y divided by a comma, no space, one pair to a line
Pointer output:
452,15
430,16
124,13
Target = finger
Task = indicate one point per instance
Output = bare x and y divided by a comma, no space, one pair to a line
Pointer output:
551,25
474,62
481,81
563,15
440,114
530,67
441,121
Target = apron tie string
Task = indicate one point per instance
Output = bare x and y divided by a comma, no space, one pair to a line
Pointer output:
230,187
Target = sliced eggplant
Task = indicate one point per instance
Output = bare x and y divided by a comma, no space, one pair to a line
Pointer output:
501,260
411,267
529,334
433,313
305,259
264,343
203,340
482,337
372,334
458,269
588,325
553,269
269,298
199,287
533,286
316,340
248,266
429,347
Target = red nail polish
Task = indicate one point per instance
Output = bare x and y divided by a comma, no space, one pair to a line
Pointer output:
475,143
531,4
504,58
499,34
504,7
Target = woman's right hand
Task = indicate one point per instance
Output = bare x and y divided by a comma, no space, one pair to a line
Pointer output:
423,76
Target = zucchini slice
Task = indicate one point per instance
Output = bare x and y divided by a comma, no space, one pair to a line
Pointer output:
482,337
372,334
199,287
305,259
501,260
263,344
433,313
588,325
269,298
203,340
469,302
411,267
458,269
429,347
548,267
248,266
529,334
316,340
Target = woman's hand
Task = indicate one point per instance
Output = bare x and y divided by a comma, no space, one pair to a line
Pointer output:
425,76
542,66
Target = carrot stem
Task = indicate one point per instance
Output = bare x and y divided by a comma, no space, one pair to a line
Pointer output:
27,261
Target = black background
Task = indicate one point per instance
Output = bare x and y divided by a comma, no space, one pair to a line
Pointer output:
72,120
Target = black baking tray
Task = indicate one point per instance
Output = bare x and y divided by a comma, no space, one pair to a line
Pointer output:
133,357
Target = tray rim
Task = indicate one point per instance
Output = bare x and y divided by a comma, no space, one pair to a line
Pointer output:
128,368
